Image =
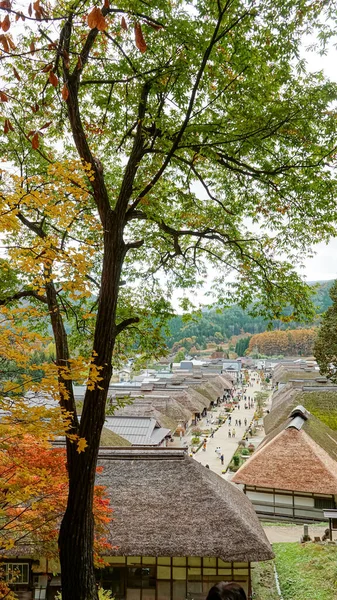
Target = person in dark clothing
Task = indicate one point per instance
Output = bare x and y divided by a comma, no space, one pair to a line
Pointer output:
226,591
222,458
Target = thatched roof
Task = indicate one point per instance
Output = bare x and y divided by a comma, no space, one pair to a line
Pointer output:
171,407
226,380
283,374
300,455
212,389
167,504
321,402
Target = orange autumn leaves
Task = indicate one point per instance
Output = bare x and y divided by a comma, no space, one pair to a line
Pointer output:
289,342
96,20
33,494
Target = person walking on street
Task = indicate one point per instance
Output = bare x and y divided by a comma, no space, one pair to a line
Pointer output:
239,422
229,433
233,433
222,458
245,422
236,422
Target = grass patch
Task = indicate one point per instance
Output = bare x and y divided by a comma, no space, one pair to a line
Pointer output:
263,581
306,571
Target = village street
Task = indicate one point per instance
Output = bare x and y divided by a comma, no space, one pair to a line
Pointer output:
228,445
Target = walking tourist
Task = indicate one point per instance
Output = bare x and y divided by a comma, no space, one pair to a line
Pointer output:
245,422
222,458
233,433
229,433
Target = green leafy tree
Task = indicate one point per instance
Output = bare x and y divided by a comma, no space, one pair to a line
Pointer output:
141,138
242,345
179,356
325,349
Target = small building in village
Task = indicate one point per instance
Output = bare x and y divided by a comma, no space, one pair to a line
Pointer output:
293,473
139,431
232,368
177,529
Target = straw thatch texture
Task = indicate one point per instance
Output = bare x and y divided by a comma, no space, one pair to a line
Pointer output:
167,504
322,403
212,389
169,406
283,374
227,381
192,403
302,460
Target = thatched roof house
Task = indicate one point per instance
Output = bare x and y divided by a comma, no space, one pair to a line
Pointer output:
319,399
177,528
167,504
191,400
294,470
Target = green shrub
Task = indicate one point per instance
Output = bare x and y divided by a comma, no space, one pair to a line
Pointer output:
245,452
236,459
195,441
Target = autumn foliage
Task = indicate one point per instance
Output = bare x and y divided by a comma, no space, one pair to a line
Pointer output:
34,487
291,342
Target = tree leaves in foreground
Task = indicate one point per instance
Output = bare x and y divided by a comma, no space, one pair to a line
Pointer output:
144,143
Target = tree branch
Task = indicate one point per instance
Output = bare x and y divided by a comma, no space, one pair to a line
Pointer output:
23,294
125,324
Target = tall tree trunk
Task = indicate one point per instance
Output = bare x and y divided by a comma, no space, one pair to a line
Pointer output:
76,536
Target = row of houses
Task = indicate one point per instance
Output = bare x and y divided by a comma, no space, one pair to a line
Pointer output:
170,407
293,473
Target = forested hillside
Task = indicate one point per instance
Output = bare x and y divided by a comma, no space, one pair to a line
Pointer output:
218,326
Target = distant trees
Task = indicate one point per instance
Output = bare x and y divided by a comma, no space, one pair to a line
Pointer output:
242,345
292,342
325,349
230,322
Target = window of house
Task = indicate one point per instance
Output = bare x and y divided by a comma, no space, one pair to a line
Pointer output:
17,573
324,503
